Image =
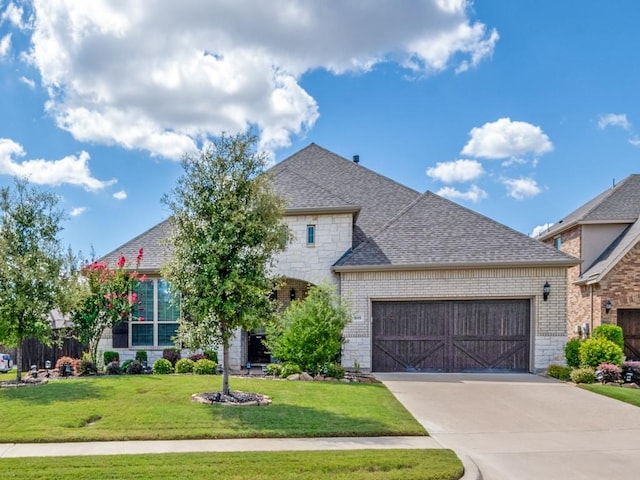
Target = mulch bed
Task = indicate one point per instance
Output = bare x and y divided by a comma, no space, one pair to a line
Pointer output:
236,398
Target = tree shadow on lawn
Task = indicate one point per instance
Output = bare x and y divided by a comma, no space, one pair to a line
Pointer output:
53,392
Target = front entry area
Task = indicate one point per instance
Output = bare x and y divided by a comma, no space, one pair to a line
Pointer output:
451,336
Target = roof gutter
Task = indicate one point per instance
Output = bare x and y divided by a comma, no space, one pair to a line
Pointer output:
322,210
452,266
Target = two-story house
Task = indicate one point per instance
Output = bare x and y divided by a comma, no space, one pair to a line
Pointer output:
433,286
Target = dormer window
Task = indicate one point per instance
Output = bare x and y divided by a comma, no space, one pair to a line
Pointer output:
311,235
557,242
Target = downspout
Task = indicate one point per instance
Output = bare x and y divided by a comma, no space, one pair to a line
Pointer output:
591,298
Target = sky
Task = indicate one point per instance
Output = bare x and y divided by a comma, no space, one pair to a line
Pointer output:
521,111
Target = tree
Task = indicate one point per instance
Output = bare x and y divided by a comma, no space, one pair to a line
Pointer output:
226,227
30,263
309,332
108,300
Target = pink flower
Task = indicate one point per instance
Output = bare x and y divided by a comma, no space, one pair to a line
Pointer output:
143,277
141,319
134,297
139,257
121,261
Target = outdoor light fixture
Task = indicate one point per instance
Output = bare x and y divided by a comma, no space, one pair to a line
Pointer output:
608,306
292,294
546,290
47,365
34,371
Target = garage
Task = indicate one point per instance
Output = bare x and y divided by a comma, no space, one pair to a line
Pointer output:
629,321
451,335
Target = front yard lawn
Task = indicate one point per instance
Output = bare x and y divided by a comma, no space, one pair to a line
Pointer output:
154,407
628,395
347,465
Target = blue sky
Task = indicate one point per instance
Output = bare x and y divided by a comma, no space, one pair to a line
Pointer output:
521,111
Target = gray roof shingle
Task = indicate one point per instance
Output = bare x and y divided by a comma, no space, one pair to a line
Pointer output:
155,252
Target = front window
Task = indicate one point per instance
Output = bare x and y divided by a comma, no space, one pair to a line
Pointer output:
557,242
311,234
155,317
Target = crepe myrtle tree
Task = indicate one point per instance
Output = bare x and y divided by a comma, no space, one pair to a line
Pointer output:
226,227
30,265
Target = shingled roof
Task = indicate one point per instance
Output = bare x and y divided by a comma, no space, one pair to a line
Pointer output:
433,232
155,252
619,204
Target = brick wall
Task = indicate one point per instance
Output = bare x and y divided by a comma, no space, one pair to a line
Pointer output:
621,286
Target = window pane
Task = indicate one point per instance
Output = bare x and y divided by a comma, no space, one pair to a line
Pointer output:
144,307
311,234
165,332
168,303
141,334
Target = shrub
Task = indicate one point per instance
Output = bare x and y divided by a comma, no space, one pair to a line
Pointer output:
572,352
608,372
309,332
211,355
204,367
583,375
141,356
87,367
334,370
113,368
135,368
559,371
62,362
289,369
274,369
184,365
126,364
162,366
613,333
109,357
595,351
171,354
197,356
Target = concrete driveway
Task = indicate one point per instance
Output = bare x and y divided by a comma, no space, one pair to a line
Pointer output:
524,426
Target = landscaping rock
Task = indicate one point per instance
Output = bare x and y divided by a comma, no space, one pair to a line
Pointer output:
238,399
330,379
318,378
305,377
631,385
295,376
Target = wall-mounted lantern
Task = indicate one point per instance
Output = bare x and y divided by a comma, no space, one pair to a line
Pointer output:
292,294
608,306
546,290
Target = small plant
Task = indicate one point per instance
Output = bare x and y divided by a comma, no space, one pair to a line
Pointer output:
184,365
356,366
204,367
612,333
141,356
572,352
559,371
113,368
289,369
334,370
162,366
109,357
171,354
274,369
211,355
583,375
197,356
135,368
126,364
608,373
595,351
63,362
87,367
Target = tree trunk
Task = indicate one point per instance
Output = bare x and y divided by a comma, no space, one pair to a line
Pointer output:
225,367
19,362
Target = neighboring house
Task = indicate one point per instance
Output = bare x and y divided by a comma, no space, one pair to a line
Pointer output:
605,288
432,285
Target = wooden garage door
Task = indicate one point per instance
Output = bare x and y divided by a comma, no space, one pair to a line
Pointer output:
451,336
629,321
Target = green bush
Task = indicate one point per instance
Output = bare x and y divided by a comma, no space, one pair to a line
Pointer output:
274,369
595,351
162,366
109,357
171,354
141,356
204,367
334,370
289,369
211,355
583,375
572,352
184,365
87,367
559,371
309,332
126,364
135,368
113,368
613,333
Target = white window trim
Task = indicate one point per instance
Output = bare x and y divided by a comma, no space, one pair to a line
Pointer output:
155,322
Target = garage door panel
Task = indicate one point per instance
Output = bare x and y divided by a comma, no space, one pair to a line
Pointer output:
629,321
408,355
490,356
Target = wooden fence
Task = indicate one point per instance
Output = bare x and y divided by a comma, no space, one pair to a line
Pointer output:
36,353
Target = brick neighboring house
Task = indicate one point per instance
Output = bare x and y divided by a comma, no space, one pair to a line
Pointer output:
433,286
605,288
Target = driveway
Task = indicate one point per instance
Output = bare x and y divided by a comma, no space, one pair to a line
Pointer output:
524,426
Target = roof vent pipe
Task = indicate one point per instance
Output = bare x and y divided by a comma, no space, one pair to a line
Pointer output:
356,159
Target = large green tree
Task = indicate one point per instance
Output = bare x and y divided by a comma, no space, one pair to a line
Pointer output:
30,264
226,227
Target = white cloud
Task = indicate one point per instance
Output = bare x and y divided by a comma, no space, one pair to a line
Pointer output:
614,120
521,188
194,70
635,141
71,169
505,139
456,171
5,45
474,194
28,82
78,211
13,14
121,195
540,229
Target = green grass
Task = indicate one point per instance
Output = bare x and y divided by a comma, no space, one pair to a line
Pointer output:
149,407
628,395
329,465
